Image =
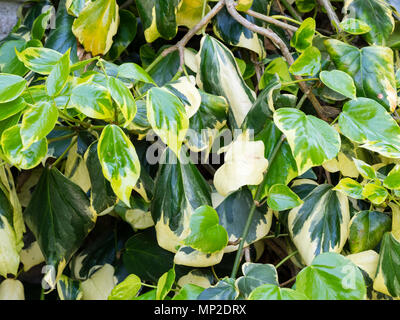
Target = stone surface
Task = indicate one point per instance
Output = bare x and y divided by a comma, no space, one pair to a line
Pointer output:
8,16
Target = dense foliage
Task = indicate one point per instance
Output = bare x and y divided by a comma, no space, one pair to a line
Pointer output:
200,149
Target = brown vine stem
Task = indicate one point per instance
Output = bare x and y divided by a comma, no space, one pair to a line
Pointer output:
230,5
331,14
270,20
180,45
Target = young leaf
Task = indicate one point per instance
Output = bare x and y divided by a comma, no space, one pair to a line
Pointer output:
206,234
124,173
339,81
11,87
303,37
281,198
331,277
127,289
374,193
37,123
164,284
365,169
96,25
167,116
312,140
392,181
350,187
123,98
58,76
308,64
355,26
134,72
274,292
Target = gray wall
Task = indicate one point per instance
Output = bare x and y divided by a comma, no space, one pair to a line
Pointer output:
8,15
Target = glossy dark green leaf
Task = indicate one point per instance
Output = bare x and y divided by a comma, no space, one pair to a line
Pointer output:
370,67
367,229
308,64
331,277
54,201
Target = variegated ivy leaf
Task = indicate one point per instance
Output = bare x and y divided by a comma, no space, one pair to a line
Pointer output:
367,261
339,81
281,198
370,67
225,289
206,234
37,123
308,64
367,229
100,284
93,100
119,161
350,188
184,88
57,79
235,34
179,190
244,165
12,289
219,74
158,18
366,122
365,169
187,256
321,223
40,24
39,60
190,12
16,154
331,277
280,67
167,116
274,292
96,25
11,87
303,37
377,14
392,181
9,253
134,72
312,140
375,193
164,284
69,289
51,204
355,26
74,7
123,98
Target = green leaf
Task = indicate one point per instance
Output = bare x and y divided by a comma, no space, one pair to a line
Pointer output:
123,98
134,72
50,204
74,7
179,190
158,18
377,14
244,5
331,277
280,67
40,25
281,198
190,12
96,25
164,284
127,289
188,292
37,123
206,234
9,62
367,229
350,187
233,33
225,289
308,64
303,37
355,26
305,5
339,81
387,279
365,169
16,154
119,161
366,122
321,223
92,100
219,74
8,109
11,87
167,116
58,76
370,67
39,60
9,253
374,193
256,275
392,181
274,292
312,140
